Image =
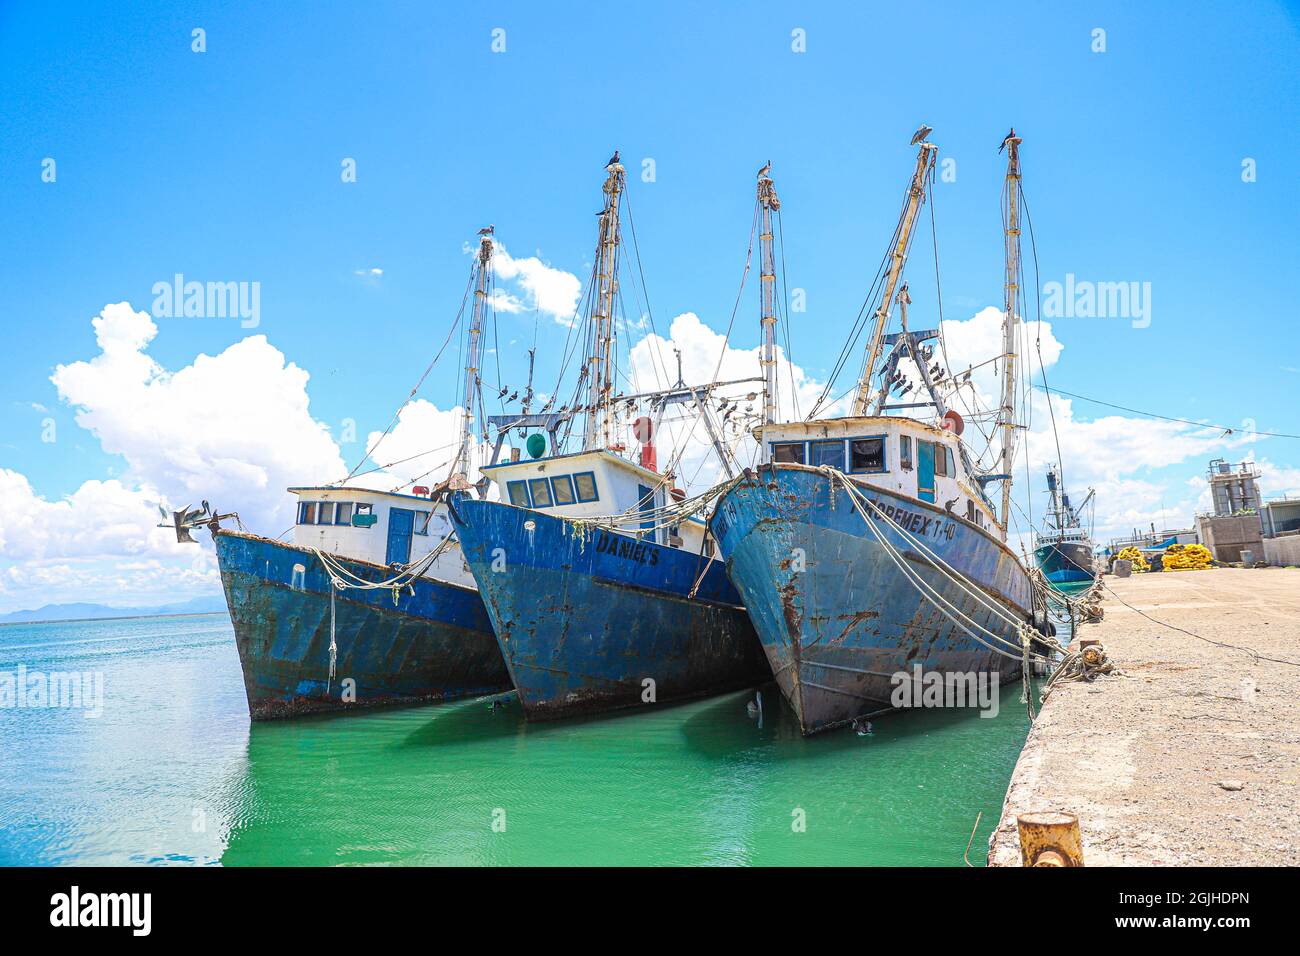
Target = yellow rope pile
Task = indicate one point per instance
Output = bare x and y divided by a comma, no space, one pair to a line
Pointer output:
1133,554
1187,557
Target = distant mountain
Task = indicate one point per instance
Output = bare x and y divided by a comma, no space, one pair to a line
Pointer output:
82,612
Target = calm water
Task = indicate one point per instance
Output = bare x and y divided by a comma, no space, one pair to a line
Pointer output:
173,772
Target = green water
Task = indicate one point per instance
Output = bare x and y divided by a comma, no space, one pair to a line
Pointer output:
173,772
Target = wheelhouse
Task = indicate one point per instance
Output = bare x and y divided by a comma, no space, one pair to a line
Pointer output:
895,454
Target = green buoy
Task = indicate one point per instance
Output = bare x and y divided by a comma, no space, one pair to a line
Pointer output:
536,445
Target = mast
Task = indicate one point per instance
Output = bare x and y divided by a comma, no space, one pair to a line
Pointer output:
1010,322
598,428
460,479
768,203
898,256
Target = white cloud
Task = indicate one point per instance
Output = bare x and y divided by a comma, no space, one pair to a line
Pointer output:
537,285
233,428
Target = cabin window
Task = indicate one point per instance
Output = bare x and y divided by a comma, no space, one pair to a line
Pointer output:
952,465
518,494
970,510
866,455
306,512
343,512
325,513
364,516
788,452
828,453
422,522
905,452
585,485
562,489
541,492
941,460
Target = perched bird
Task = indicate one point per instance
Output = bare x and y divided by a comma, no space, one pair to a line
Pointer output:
920,135
487,230
613,160
1006,139
503,391
765,170
862,726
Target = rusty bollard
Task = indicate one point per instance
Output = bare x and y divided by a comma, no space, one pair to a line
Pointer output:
1050,839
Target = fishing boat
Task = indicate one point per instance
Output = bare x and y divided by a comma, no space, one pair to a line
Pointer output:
1063,550
371,603
867,546
601,582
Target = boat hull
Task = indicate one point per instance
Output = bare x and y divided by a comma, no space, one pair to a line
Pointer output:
591,621
1069,562
840,623
434,643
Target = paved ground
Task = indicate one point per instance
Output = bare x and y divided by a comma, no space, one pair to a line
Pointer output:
1143,758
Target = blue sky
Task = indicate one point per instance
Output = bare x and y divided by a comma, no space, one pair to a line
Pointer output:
225,165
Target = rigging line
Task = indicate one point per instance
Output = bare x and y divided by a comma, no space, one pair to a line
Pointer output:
397,414
1167,418
645,292
400,461
1038,337
785,304
858,323
938,289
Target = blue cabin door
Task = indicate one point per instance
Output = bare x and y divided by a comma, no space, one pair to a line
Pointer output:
925,470
400,525
646,498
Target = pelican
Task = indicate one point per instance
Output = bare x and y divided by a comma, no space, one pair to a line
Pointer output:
487,230
613,160
1006,139
765,170
920,135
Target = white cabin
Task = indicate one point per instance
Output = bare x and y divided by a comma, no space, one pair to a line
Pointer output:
593,484
379,527
892,453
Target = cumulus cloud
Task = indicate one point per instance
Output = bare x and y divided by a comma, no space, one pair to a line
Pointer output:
233,428
532,284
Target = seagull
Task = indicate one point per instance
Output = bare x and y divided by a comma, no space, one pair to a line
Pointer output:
920,135
613,160
862,726
1006,139
487,230
765,170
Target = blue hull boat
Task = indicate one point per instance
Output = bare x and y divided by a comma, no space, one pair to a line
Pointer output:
839,621
433,643
1065,563
590,620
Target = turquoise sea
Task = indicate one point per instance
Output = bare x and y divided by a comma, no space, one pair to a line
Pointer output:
172,772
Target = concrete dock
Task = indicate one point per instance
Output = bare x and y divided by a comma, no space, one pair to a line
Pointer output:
1191,755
